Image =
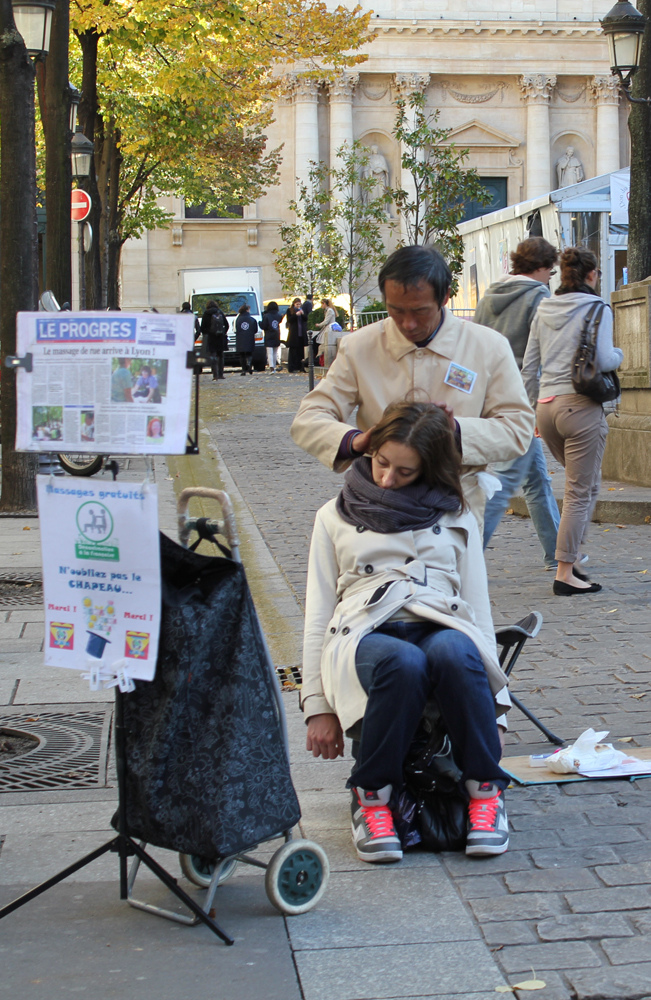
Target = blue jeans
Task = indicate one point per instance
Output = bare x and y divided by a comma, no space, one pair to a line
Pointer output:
530,472
401,666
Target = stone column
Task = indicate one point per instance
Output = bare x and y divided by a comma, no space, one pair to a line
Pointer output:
536,91
341,113
605,90
306,127
406,84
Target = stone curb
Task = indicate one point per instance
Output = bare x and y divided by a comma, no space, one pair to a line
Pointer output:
613,511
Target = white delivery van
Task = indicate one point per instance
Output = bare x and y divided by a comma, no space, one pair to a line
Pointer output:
229,287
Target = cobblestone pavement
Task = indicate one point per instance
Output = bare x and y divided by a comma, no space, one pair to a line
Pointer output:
571,899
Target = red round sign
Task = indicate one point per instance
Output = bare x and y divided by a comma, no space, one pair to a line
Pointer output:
80,205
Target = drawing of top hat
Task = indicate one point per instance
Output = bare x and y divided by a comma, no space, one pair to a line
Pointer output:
95,645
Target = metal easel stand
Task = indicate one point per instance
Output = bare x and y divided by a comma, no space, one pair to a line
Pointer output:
125,847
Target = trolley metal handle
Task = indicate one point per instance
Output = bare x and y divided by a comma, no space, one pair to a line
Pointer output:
229,529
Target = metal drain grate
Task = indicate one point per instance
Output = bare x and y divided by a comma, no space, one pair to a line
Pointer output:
72,750
20,595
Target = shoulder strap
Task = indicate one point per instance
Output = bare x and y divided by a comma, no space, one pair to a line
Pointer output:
591,322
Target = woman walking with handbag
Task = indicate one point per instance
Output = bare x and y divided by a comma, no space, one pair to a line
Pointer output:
572,425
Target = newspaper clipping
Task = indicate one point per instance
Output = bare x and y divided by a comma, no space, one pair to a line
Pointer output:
104,383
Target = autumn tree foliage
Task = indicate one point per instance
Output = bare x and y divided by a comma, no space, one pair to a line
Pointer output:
176,98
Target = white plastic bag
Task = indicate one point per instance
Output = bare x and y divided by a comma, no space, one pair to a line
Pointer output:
588,753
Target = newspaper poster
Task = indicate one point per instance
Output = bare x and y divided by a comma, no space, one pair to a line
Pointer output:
104,383
101,577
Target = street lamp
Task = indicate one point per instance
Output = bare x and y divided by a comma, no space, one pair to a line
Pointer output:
81,154
33,19
623,26
75,98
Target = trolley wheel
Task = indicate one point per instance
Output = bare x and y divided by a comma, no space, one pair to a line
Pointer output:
200,870
297,876
81,465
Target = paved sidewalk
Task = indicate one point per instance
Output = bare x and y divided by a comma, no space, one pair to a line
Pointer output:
571,899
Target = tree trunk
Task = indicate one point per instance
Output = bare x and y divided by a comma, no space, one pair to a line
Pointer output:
93,128
18,244
639,123
54,96
114,241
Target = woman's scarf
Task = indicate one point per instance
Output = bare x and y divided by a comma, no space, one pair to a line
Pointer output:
409,508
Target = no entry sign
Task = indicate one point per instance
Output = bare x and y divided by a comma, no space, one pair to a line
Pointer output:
81,203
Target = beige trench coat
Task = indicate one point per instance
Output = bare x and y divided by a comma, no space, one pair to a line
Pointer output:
359,579
376,366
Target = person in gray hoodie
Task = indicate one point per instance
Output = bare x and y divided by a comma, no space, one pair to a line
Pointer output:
509,306
572,425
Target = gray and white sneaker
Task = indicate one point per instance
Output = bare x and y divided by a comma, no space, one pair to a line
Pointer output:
374,834
488,825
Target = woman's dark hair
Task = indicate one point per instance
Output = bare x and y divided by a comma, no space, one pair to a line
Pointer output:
244,308
532,254
212,304
409,265
576,265
272,307
425,428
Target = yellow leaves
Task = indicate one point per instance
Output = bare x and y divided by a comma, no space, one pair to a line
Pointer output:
527,984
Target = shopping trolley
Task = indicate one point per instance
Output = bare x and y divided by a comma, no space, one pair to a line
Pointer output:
297,873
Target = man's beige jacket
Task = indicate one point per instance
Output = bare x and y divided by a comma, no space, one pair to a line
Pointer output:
376,366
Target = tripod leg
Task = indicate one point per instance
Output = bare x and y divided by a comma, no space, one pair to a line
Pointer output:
111,845
173,886
556,740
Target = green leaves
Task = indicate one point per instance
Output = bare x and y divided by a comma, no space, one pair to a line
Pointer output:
440,184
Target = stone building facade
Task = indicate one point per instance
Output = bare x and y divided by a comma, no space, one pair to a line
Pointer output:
519,83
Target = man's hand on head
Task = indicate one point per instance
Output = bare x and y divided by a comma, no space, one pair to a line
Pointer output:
449,413
325,737
361,442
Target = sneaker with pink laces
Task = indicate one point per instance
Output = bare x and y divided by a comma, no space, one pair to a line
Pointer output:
488,825
374,834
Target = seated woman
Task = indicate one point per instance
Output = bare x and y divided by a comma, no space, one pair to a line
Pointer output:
397,614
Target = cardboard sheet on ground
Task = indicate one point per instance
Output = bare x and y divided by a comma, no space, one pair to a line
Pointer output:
523,774
104,383
101,577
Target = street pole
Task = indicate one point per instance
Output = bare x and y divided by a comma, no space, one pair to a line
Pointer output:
310,360
82,266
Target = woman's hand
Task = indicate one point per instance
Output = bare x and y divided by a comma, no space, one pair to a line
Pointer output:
536,432
325,737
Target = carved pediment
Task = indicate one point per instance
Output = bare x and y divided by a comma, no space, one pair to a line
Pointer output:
475,133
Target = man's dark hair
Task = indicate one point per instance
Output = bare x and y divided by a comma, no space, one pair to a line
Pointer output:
409,265
532,254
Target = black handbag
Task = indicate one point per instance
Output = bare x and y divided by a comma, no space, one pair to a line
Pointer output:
432,808
602,387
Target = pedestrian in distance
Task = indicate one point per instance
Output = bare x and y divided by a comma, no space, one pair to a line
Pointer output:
187,308
327,344
573,426
214,331
509,306
397,615
246,327
271,320
296,321
424,352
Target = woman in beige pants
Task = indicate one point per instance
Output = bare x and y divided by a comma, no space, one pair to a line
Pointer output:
572,426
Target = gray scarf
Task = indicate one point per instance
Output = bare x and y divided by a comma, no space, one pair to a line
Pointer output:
409,508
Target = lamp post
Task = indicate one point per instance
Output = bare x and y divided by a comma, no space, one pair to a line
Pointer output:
75,99
81,154
627,30
623,27
33,19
